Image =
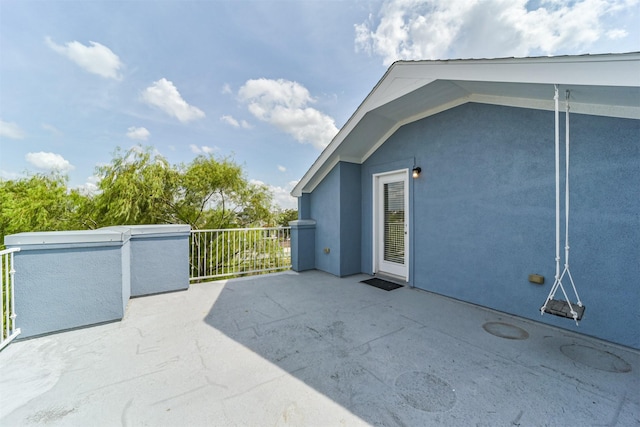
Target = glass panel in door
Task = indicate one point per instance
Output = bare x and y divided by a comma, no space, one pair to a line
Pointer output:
394,222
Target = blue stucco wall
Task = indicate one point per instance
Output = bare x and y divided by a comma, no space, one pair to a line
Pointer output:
71,279
350,208
325,210
483,211
62,287
159,263
304,206
303,242
335,205
157,257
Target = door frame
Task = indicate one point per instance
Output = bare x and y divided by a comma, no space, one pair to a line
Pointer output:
377,217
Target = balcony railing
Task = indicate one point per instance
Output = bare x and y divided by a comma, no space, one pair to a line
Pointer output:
224,253
7,302
135,261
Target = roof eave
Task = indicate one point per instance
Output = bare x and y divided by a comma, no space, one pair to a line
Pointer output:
415,74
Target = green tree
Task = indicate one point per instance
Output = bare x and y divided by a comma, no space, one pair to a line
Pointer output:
137,187
283,217
140,187
40,202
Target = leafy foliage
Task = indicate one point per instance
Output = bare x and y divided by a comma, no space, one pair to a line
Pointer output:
215,194
285,216
139,186
39,203
135,188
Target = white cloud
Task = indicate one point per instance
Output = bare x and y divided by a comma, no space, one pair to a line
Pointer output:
617,34
10,176
230,120
282,168
54,130
11,130
284,104
201,149
440,29
49,161
96,58
281,195
90,187
141,134
164,95
226,89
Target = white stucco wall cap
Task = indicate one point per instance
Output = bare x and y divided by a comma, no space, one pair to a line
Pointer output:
158,229
302,223
67,237
607,85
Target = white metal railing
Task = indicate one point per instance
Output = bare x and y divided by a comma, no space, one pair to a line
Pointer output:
238,251
7,301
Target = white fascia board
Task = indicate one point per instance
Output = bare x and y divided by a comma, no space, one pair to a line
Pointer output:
349,159
328,155
602,70
395,88
422,115
335,143
621,111
532,103
320,162
317,177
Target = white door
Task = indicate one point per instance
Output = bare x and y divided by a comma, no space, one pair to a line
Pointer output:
391,223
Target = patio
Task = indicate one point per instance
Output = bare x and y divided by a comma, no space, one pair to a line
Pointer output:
312,349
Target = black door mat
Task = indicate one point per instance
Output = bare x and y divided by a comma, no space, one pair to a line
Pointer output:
381,284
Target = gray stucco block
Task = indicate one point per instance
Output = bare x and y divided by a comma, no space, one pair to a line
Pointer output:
64,285
159,258
303,238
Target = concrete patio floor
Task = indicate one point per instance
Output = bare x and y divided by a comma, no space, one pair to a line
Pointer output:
312,349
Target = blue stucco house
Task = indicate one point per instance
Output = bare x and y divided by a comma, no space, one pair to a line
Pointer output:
480,216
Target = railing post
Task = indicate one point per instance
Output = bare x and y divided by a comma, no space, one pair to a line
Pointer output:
8,329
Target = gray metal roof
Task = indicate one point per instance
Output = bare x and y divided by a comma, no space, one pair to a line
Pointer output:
605,85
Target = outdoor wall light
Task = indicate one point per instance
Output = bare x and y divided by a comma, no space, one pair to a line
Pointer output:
416,172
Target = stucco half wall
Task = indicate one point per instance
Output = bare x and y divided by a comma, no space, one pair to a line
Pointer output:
482,214
335,206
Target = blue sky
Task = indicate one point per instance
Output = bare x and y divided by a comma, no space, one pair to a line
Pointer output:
268,83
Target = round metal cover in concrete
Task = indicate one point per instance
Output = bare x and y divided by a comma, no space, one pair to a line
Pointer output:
425,392
594,358
505,330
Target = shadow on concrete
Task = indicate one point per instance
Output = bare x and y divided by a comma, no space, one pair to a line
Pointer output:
409,357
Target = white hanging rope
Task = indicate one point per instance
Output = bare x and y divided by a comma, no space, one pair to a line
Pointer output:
558,277
566,202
